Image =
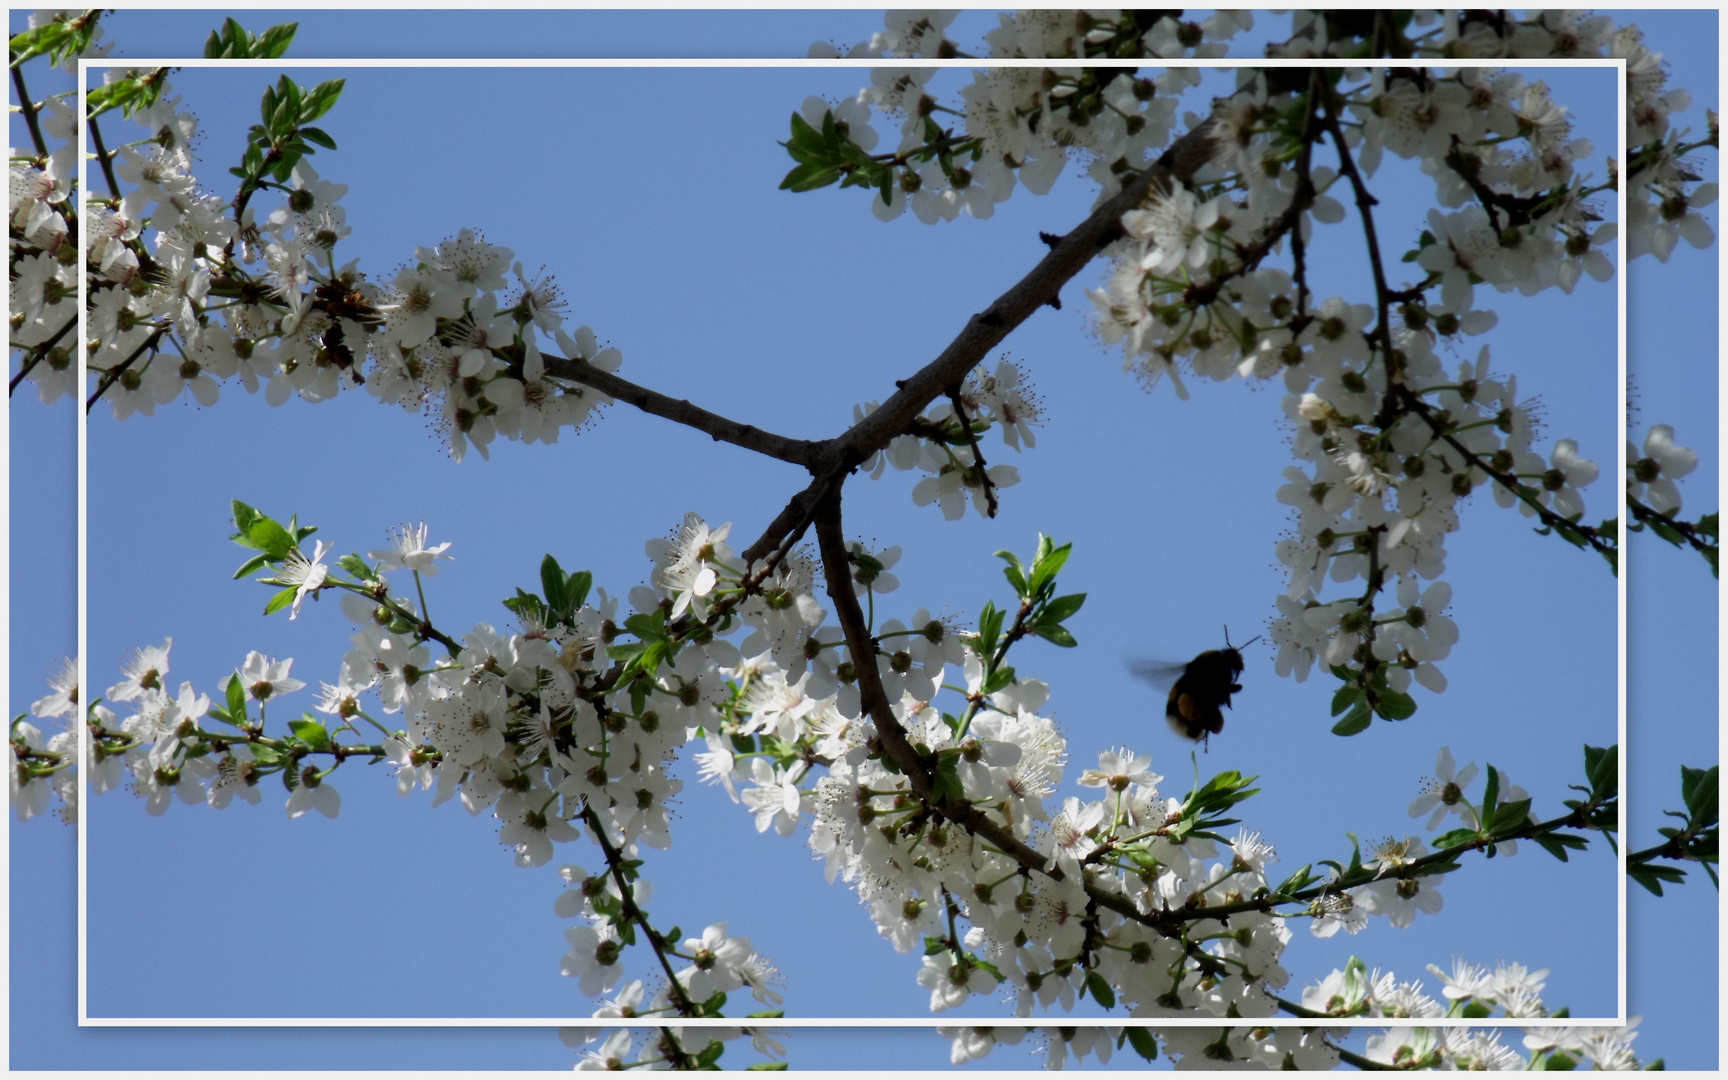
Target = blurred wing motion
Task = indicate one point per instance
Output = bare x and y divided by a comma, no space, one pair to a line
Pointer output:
1159,674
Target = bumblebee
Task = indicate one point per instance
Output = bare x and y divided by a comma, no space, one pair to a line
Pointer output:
1201,689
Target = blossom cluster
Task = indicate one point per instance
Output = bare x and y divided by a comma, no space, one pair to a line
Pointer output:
41,250
190,289
1389,438
1308,1048
1510,989
570,725
944,444
1025,123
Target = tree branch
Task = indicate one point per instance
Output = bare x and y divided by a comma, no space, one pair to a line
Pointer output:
985,330
796,451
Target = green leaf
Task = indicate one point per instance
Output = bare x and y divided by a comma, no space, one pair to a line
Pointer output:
1048,564
1014,572
1355,722
1491,791
810,176
1454,838
1509,817
1100,990
232,41
268,535
1295,882
244,516
1346,695
1602,769
236,695
947,783
310,732
355,565
767,1066
273,42
553,580
1651,875
1355,857
648,625
576,588
997,680
318,136
280,600
250,565
1143,1042
1698,787
1062,607
1556,844
803,135
1055,635
1396,705
527,606
989,627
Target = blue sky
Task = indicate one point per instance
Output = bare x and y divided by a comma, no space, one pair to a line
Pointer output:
651,196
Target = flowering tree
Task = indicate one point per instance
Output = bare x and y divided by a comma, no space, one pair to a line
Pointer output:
916,754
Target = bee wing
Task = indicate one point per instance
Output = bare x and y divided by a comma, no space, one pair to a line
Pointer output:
1158,673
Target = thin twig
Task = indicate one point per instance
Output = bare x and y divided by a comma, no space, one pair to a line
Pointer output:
627,897
978,464
1365,202
796,451
103,157
29,108
112,375
37,353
